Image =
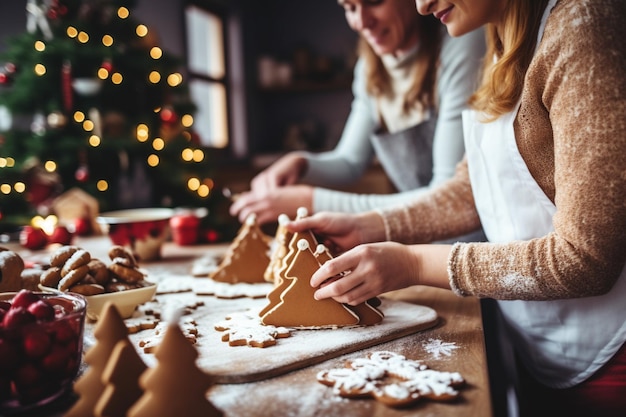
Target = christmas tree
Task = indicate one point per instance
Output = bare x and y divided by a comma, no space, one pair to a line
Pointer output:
96,104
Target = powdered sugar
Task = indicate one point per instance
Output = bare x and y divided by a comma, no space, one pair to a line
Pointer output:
437,348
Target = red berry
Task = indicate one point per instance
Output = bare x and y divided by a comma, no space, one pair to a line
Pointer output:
42,310
17,317
36,342
9,355
56,359
82,226
63,332
33,238
61,235
27,375
24,298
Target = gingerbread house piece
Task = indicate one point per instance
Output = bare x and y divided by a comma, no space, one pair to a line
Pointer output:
280,282
298,307
247,257
77,204
368,313
279,248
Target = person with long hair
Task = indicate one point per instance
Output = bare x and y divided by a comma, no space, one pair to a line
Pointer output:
544,175
411,83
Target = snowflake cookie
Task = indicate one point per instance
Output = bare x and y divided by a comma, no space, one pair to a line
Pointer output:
391,379
246,329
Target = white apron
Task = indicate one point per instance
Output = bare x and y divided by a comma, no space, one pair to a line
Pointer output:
562,342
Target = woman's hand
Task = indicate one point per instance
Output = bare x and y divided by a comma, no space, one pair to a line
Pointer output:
342,231
286,171
377,268
269,204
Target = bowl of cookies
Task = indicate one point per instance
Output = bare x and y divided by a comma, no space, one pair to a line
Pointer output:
41,343
142,230
120,281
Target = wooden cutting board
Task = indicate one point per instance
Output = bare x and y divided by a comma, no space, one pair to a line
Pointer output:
241,364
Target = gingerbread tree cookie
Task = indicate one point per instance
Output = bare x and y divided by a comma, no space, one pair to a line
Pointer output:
175,386
281,283
279,248
108,332
121,379
298,308
247,257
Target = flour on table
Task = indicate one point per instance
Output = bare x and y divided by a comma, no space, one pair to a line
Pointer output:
437,348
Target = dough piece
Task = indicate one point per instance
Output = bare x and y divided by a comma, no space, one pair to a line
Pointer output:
391,379
11,267
188,328
298,308
31,278
88,289
125,273
72,277
99,271
79,258
126,256
247,256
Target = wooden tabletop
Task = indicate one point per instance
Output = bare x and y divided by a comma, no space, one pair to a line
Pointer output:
455,344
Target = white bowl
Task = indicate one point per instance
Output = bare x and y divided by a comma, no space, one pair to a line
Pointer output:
142,230
126,301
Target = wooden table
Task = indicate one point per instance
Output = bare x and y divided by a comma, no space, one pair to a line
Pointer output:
459,334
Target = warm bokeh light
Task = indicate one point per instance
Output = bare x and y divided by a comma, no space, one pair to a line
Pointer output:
50,166
187,154
88,125
141,31
94,140
5,188
83,37
187,120
204,191
79,116
116,78
142,132
153,160
40,46
198,155
71,32
154,77
107,40
158,144
40,69
193,183
156,52
123,12
103,74
174,79
102,185
19,186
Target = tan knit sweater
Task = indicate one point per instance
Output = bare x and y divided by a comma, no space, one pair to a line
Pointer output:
571,131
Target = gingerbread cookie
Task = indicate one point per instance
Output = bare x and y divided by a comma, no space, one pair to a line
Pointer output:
11,267
245,329
247,256
279,248
187,326
391,379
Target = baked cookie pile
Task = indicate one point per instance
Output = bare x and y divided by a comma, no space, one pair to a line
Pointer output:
73,269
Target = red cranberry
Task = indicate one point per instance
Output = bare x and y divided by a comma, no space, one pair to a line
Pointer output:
55,360
36,342
63,332
9,355
42,310
27,375
17,317
24,298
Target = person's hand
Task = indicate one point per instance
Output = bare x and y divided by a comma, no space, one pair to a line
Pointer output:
369,270
342,231
372,269
269,204
285,171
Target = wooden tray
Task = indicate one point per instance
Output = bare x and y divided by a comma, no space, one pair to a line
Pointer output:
241,364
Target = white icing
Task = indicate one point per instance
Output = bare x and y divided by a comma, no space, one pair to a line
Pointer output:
303,244
302,212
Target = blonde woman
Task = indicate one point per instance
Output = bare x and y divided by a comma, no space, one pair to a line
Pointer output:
545,177
411,83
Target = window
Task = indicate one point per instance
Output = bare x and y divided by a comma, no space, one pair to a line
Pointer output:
206,61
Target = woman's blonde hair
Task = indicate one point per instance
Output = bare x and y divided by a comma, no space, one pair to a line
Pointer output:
422,91
512,50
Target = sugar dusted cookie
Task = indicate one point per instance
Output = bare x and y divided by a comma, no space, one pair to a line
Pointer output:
391,379
245,329
11,267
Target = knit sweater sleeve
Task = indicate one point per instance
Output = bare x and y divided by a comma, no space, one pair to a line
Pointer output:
571,130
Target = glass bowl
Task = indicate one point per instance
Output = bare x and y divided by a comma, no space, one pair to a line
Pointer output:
39,359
